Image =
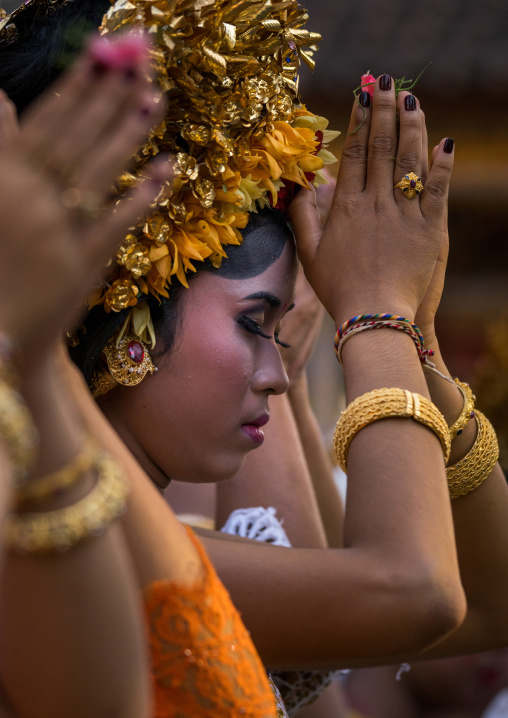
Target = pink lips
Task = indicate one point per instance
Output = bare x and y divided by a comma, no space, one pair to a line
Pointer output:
253,429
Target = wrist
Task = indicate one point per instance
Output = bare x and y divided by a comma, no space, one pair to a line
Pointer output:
429,335
396,308
298,387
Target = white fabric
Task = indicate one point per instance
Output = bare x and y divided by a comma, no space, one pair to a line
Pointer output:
257,523
499,706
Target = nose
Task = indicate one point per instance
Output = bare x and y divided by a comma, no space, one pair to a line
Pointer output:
270,375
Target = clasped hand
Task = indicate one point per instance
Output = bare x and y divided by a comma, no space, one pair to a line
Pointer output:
379,250
74,142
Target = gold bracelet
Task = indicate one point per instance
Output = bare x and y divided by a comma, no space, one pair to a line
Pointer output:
467,412
386,404
62,529
471,471
46,487
18,432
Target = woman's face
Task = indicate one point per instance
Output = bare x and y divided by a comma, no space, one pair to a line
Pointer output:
199,415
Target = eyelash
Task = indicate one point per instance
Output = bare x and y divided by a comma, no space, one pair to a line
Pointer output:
253,327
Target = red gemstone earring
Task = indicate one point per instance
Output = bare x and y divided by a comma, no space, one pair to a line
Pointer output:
128,360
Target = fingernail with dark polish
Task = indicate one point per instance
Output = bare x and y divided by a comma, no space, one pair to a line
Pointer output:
448,145
385,82
410,103
364,99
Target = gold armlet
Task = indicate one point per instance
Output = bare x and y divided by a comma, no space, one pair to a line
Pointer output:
62,529
467,412
17,432
471,471
386,404
48,486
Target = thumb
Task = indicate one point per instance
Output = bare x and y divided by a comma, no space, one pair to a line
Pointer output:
304,216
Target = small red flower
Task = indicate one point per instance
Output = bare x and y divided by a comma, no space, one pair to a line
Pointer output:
367,84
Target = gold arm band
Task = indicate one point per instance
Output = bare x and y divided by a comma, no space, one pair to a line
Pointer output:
471,471
47,486
62,529
467,412
17,431
387,404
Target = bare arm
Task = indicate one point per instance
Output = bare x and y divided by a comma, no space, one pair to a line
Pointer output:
481,530
72,632
78,626
318,462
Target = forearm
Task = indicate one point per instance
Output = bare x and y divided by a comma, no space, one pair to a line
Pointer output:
397,491
318,463
277,475
481,530
77,633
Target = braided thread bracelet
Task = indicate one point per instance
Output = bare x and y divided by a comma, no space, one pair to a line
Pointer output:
61,529
377,321
386,404
363,322
471,471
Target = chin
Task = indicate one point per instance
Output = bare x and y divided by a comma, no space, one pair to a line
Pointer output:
219,469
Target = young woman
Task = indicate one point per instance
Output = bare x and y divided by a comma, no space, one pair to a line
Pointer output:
394,589
96,635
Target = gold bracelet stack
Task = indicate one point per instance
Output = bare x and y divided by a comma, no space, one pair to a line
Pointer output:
38,490
467,412
471,471
386,404
17,432
62,529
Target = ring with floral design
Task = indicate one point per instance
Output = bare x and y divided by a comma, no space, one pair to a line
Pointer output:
411,185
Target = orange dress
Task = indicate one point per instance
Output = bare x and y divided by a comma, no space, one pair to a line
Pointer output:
203,662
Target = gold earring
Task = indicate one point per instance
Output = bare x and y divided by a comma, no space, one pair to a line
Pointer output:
128,360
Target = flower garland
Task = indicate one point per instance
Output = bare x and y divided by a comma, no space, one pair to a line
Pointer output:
239,136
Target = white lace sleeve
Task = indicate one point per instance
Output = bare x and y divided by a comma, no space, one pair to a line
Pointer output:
258,523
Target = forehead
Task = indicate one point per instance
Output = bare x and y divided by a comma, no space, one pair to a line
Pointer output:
278,279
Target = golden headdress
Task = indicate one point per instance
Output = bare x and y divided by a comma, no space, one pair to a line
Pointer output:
234,123
235,128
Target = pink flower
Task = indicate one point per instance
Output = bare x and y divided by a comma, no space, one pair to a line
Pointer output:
367,84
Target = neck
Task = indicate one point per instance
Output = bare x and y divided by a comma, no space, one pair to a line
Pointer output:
153,471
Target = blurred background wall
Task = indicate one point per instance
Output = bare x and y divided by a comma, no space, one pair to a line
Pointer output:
464,93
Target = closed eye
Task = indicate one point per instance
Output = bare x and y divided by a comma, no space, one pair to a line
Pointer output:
253,327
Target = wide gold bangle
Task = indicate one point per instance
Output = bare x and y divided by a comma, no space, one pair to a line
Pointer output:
48,486
17,432
62,529
387,404
467,412
471,471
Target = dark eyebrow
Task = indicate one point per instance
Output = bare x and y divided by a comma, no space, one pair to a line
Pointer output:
269,298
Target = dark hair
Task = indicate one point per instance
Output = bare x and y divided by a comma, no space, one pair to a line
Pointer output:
261,247
47,42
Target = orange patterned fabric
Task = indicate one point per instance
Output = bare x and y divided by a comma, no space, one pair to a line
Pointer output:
203,661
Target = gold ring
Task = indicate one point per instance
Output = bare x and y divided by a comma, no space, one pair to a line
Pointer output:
411,185
87,205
